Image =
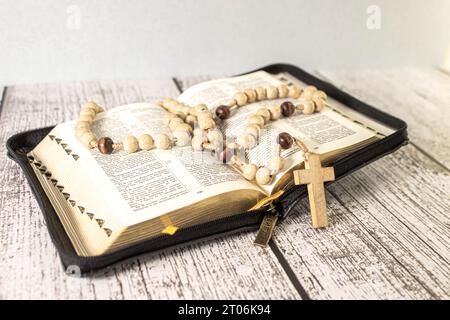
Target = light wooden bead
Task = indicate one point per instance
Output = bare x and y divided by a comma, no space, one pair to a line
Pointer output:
200,108
275,112
204,115
82,124
255,119
294,92
319,104
88,112
167,103
182,138
276,164
162,141
263,176
308,92
308,107
185,127
265,113
146,142
186,110
174,123
213,135
197,143
283,91
80,131
231,103
88,139
251,95
241,99
253,129
85,118
272,92
130,144
168,117
247,141
180,115
92,105
191,120
249,171
261,93
319,94
206,124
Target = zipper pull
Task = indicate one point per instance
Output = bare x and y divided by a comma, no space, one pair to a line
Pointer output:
267,225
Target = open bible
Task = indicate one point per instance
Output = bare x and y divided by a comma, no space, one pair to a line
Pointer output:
109,202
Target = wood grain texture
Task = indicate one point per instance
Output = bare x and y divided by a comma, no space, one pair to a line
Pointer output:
227,268
389,236
421,97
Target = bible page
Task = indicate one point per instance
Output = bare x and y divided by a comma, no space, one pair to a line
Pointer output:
322,132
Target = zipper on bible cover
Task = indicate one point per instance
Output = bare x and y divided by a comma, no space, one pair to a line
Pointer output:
267,226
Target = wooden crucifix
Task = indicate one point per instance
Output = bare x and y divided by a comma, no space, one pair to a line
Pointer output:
314,176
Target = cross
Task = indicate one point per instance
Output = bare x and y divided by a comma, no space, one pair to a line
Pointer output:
314,175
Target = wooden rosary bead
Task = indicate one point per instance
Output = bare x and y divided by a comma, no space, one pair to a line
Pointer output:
308,107
88,112
241,98
82,124
191,120
206,123
225,155
247,141
319,94
255,119
200,108
182,138
80,131
271,92
197,143
223,112
185,127
146,142
168,117
263,176
275,164
130,144
287,108
174,123
251,95
231,103
253,129
265,113
285,140
319,104
105,145
186,111
86,118
204,115
249,171
214,135
275,112
308,92
162,141
88,139
260,93
294,92
283,91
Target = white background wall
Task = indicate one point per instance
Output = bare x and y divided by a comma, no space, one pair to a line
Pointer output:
57,40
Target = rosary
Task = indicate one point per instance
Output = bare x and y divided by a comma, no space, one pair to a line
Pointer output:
199,127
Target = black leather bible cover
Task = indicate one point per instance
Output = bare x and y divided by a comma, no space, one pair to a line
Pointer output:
20,144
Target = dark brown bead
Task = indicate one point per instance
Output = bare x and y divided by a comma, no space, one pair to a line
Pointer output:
105,145
223,112
285,140
225,155
287,108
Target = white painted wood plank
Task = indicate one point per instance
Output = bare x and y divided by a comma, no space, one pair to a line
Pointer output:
421,97
229,268
388,238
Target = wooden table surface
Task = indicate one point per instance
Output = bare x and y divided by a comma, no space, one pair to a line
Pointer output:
390,221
